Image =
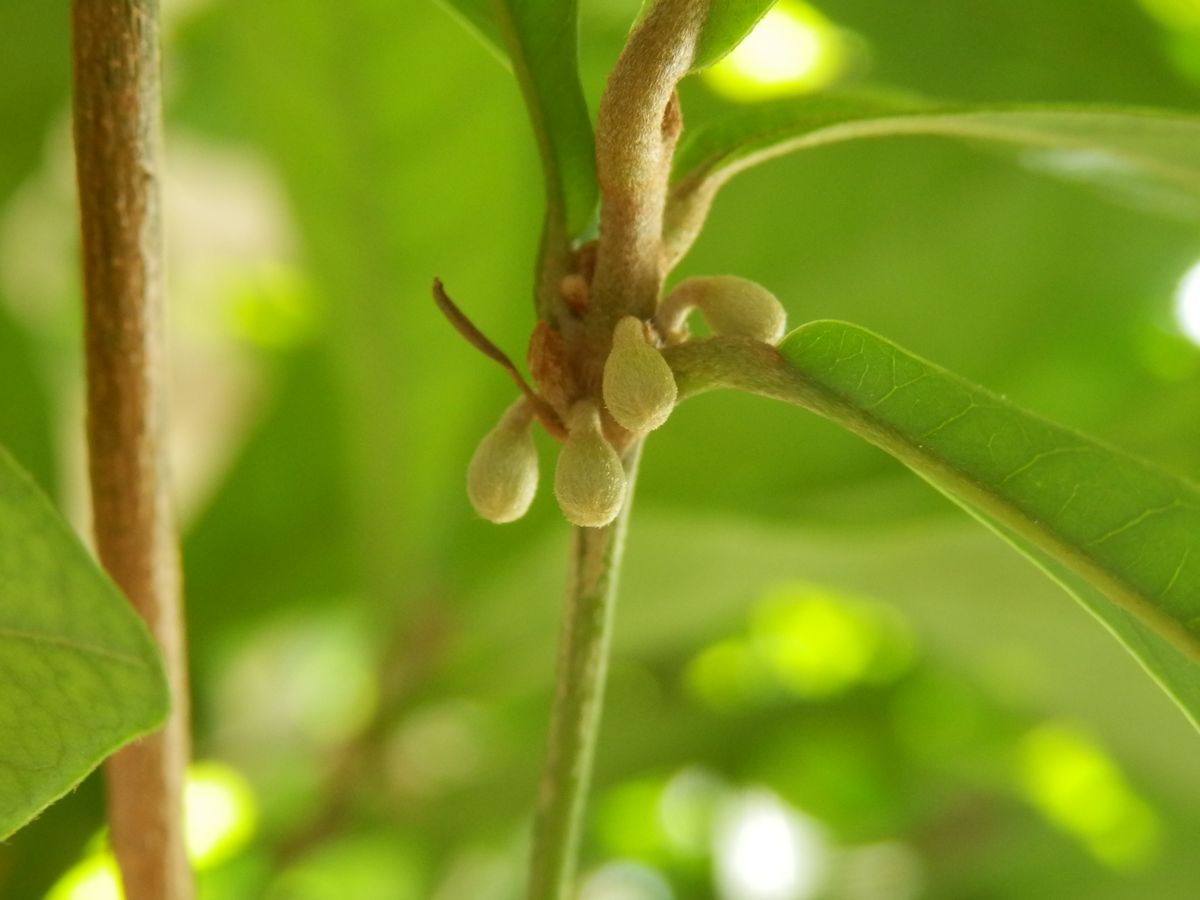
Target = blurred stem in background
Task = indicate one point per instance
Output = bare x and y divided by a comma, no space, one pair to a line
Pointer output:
118,136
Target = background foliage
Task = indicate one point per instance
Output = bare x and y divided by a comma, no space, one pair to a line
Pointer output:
802,621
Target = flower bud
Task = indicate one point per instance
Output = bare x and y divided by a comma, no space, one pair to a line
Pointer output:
589,480
639,388
503,474
731,306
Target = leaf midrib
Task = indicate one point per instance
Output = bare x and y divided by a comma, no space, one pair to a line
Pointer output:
838,406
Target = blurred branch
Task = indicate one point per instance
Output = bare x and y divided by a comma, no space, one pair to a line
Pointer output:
118,125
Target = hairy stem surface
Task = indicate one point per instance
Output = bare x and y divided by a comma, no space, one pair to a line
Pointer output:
579,698
637,127
117,117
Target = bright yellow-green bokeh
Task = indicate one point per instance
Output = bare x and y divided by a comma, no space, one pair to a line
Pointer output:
1079,788
806,642
220,813
1181,14
793,50
95,878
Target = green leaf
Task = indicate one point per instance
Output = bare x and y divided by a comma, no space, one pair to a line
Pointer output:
728,22
1121,535
477,17
79,673
540,38
1150,156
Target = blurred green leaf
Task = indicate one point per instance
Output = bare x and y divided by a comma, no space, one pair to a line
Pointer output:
36,75
477,16
81,674
1130,531
541,40
1154,155
25,424
728,22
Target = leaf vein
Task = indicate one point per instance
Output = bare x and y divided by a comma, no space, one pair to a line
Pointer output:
17,634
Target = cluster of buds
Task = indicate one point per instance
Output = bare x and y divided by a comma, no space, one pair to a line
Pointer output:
638,393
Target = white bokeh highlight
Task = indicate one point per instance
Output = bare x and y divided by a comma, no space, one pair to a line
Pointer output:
767,851
1187,304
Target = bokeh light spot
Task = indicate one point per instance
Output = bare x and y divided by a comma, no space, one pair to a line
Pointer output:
792,50
767,851
1079,788
94,878
1180,14
1187,304
804,641
220,813
818,643
814,644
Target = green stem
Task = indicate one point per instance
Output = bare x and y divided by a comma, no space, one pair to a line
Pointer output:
579,698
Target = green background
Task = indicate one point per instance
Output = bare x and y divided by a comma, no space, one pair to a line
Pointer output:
378,662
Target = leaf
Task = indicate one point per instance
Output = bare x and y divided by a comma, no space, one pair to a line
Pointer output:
728,22
477,17
1121,535
79,673
1175,672
540,38
1149,155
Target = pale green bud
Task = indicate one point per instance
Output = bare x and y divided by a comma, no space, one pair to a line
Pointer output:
639,388
731,306
503,475
589,480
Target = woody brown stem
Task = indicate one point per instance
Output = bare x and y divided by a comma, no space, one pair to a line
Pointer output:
117,118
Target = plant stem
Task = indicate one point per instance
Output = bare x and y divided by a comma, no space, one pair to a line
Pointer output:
118,127
637,126
578,700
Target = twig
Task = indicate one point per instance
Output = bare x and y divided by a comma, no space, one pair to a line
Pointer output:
637,127
579,698
117,108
